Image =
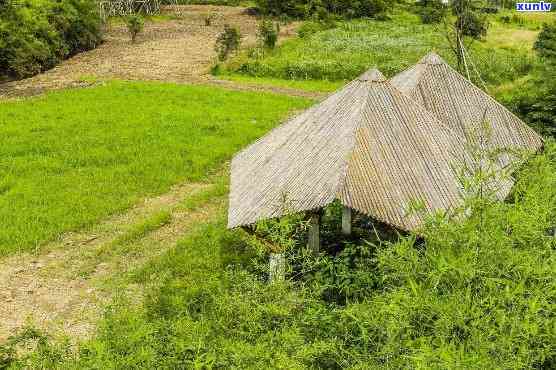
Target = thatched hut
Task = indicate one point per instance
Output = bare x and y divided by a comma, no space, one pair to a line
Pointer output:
369,146
463,107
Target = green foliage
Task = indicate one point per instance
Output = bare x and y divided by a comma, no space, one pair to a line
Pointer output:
546,43
432,11
537,102
352,47
227,42
312,27
112,155
310,8
135,24
477,291
37,34
268,33
469,20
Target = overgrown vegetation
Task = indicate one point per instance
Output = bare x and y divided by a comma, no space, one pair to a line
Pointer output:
546,43
268,33
135,24
344,52
227,42
309,8
35,35
121,142
479,291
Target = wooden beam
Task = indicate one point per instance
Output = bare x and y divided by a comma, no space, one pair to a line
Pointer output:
346,221
314,232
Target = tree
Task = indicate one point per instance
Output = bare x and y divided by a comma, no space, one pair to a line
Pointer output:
546,43
469,22
135,25
227,42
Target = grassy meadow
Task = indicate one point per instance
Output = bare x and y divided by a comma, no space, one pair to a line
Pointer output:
71,158
344,52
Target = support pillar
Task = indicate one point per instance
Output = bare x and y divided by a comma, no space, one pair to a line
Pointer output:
277,267
314,233
346,221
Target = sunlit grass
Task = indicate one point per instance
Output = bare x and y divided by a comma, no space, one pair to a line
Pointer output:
71,158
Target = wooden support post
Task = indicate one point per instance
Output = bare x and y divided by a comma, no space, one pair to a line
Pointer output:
314,233
346,221
277,267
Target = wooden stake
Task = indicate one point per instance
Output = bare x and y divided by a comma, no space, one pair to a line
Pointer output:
314,233
277,267
346,221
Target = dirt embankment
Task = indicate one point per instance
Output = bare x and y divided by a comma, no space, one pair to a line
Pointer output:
178,48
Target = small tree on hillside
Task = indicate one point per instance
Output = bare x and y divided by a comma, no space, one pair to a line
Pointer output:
135,25
469,22
546,43
227,42
268,33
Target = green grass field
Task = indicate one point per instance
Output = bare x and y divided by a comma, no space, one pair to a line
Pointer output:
73,157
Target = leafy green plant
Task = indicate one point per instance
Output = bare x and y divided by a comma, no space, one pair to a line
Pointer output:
546,42
432,11
268,33
135,25
227,42
36,35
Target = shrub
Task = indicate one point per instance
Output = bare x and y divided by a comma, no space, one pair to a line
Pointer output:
470,21
309,8
210,18
227,42
268,33
135,24
432,11
546,42
309,28
36,35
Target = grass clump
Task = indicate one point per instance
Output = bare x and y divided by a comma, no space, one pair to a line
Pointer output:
472,293
121,142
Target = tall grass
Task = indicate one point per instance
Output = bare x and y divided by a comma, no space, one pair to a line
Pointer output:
345,52
71,158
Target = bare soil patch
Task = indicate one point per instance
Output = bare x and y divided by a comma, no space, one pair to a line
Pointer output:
180,50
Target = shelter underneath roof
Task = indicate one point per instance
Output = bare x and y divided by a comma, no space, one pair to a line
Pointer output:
370,146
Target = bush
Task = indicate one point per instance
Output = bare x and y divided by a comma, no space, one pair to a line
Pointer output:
36,35
432,11
309,28
470,20
546,42
135,24
268,33
310,8
227,42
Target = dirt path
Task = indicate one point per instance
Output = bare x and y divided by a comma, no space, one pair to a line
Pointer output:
179,49
64,289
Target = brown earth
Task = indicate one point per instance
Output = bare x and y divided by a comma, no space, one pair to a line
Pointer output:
179,48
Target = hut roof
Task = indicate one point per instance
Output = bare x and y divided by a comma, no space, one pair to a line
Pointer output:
368,145
464,107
